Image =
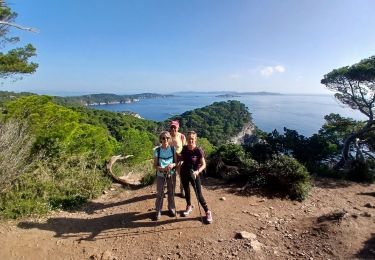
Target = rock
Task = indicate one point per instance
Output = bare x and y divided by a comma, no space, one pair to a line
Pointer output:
223,198
366,214
94,257
220,240
246,235
107,255
369,205
256,245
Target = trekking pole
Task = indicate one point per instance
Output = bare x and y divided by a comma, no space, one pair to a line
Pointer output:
174,201
196,193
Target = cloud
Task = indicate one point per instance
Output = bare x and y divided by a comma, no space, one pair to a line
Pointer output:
268,71
279,68
235,76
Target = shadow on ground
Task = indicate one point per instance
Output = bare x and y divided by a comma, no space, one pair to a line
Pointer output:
123,224
367,194
368,250
329,183
90,207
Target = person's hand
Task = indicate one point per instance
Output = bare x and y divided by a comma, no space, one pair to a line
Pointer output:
194,174
170,167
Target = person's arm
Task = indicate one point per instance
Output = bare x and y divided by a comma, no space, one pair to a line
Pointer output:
156,163
173,165
183,139
202,166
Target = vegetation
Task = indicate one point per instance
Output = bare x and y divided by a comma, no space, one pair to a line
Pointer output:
209,121
354,87
58,157
16,61
286,175
282,174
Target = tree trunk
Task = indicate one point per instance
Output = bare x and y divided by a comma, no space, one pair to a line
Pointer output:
349,140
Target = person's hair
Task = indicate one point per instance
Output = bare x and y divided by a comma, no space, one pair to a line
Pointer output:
192,133
164,133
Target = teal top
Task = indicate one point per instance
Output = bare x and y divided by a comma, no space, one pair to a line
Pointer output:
165,158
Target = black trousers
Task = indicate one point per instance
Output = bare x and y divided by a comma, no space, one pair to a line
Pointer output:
186,179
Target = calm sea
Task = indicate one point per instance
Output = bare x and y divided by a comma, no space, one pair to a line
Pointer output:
304,113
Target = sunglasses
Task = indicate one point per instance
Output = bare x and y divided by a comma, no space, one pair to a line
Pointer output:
165,138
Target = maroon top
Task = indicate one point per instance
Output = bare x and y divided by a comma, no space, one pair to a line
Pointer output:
191,158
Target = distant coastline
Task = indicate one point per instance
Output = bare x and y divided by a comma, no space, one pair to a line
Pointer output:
107,99
223,93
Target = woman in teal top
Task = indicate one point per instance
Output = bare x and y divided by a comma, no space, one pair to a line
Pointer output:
165,163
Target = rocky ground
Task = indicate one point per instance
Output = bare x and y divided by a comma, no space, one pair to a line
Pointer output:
335,222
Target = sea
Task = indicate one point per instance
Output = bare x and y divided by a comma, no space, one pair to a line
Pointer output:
304,113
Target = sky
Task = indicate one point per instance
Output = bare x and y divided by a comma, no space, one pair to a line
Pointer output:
165,46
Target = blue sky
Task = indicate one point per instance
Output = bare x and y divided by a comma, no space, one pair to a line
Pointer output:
124,47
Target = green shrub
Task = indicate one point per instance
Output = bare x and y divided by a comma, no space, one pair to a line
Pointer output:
62,183
207,147
288,176
148,179
361,171
137,143
231,154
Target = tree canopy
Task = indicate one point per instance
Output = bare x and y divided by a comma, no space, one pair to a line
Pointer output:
16,61
354,86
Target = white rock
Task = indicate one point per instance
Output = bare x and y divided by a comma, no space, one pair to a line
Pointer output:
246,235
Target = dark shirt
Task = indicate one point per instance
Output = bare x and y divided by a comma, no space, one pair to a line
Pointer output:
191,158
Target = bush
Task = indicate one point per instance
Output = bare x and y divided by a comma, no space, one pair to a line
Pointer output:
207,147
231,154
361,171
288,176
55,184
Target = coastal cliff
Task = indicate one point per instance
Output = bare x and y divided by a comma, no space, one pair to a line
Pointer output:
247,130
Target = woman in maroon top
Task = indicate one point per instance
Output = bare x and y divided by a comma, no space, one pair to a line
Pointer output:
193,164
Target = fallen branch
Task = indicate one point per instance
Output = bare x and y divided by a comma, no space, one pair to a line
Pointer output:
114,177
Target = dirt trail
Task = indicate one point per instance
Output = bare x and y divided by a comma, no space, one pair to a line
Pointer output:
118,226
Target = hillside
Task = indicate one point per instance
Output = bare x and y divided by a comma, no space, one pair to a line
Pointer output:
118,226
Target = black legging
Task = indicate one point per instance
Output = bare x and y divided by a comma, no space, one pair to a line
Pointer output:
185,179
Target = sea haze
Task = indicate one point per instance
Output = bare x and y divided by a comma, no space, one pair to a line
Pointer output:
304,113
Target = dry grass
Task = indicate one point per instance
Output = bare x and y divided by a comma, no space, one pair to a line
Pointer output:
15,147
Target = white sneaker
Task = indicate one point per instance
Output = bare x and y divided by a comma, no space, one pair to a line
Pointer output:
188,210
209,217
157,215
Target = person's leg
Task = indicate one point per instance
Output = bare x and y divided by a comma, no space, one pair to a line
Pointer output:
185,184
159,193
178,170
171,186
198,189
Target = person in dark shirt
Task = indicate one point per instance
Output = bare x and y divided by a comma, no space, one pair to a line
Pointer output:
193,164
